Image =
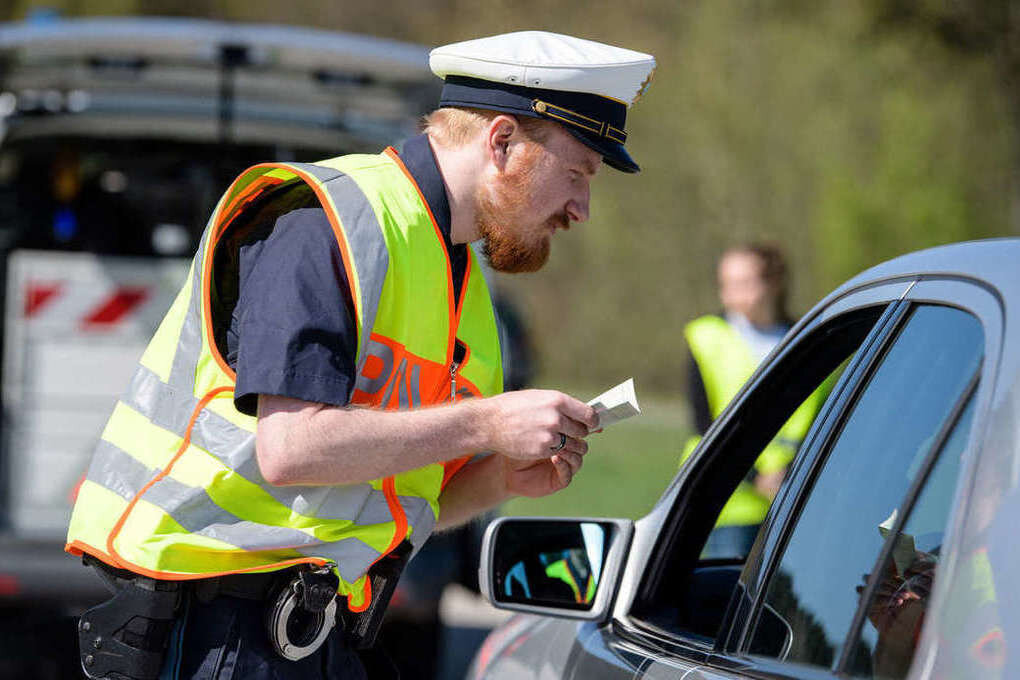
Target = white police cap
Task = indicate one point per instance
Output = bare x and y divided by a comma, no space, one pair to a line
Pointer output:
584,85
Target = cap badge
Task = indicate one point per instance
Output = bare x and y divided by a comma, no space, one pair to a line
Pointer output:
644,86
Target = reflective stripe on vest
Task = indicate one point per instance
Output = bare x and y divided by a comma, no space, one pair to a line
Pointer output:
174,490
725,363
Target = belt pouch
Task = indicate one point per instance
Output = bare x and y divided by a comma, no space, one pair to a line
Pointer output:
362,627
126,637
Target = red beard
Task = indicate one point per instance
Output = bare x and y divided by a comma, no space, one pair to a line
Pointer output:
509,244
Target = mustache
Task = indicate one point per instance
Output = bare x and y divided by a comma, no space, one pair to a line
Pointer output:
560,221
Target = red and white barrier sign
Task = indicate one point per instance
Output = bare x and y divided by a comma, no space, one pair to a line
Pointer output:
75,327
89,309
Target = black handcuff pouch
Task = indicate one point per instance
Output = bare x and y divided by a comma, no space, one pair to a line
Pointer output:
363,627
126,637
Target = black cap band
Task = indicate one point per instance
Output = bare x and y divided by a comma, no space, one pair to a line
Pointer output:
596,121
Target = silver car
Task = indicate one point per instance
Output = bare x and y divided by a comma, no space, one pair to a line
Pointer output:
890,550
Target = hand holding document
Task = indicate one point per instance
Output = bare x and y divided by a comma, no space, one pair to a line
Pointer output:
616,404
904,551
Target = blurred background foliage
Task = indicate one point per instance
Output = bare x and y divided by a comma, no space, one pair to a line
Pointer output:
849,131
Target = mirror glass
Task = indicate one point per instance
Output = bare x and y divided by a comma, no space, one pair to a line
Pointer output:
551,563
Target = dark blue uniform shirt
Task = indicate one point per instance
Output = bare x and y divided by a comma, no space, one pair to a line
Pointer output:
292,332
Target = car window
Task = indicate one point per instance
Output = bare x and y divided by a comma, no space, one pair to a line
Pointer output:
895,611
854,501
688,589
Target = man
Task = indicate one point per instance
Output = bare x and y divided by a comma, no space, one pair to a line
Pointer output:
298,424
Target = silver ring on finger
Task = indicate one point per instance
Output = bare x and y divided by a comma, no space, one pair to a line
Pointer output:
563,442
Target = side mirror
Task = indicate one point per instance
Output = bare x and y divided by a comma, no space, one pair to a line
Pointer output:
559,567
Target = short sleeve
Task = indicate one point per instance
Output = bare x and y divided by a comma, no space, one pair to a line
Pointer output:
292,331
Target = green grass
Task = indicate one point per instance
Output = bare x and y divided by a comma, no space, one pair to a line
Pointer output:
627,468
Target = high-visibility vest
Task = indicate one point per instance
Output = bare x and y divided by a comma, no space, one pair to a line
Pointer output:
174,490
725,362
562,569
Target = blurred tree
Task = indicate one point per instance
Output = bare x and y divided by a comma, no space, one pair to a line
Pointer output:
983,28
790,120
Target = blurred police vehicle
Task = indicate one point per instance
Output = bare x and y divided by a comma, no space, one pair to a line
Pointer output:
116,138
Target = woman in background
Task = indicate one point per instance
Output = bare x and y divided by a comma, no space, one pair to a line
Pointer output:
725,349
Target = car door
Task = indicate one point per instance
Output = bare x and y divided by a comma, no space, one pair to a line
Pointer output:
852,562
674,622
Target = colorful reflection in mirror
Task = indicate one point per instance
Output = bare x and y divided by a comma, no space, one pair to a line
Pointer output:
554,563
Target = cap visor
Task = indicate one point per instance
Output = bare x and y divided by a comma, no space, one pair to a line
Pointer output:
613,153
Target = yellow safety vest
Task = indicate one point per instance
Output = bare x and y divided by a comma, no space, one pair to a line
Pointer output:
174,490
561,569
725,363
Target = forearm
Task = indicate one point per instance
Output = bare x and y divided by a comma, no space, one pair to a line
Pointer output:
299,442
303,443
475,488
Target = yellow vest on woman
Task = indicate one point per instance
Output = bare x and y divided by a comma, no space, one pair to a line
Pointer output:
174,490
725,362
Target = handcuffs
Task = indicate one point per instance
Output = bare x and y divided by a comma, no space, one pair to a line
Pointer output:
302,613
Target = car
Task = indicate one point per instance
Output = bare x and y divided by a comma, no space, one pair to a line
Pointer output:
889,550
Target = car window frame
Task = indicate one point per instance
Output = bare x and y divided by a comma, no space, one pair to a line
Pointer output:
782,516
885,295
968,295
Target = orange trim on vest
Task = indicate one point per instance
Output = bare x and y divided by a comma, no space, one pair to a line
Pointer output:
452,467
207,311
120,561
463,295
185,442
220,227
79,547
399,518
72,496
366,598
389,488
247,195
250,193
453,306
435,377
220,222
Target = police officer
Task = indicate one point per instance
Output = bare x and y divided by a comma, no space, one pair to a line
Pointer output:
724,351
299,424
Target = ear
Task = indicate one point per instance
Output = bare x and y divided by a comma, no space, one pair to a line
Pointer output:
501,132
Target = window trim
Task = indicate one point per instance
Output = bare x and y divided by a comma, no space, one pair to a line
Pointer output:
982,302
805,476
786,508
884,298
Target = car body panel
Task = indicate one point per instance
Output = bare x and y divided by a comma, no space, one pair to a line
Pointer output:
982,278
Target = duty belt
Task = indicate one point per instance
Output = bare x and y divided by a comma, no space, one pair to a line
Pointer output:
127,636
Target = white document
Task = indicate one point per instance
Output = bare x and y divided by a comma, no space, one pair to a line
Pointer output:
616,404
903,552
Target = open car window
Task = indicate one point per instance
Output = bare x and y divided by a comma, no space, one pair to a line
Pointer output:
693,574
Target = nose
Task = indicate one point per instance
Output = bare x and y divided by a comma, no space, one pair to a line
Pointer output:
577,207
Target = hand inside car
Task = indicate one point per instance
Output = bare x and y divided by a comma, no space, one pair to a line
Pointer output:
897,612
